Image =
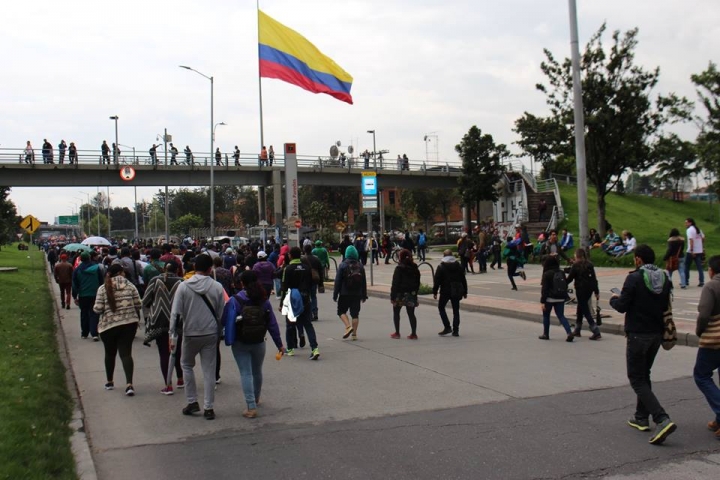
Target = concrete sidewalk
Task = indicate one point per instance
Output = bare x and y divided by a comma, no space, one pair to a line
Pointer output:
490,293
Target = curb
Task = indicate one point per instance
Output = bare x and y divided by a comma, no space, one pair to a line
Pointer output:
613,328
79,443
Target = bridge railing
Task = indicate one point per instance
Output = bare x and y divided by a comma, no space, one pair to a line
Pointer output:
227,161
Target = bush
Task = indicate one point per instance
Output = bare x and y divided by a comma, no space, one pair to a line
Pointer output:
424,289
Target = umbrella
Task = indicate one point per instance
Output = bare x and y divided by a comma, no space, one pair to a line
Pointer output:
75,247
102,241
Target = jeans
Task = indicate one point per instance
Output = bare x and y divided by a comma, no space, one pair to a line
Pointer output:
313,300
249,358
278,286
707,361
206,346
698,263
681,272
559,308
88,318
455,302
421,253
640,354
119,340
583,310
303,323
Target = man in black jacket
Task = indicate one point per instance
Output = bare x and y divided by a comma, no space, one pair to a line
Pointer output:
450,281
297,276
644,298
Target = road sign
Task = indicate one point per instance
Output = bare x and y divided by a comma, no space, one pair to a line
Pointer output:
19,235
340,226
68,220
127,173
298,224
369,183
29,224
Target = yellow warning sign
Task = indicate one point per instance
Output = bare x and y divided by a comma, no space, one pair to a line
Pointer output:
30,224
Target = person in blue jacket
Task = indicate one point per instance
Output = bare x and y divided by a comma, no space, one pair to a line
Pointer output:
86,280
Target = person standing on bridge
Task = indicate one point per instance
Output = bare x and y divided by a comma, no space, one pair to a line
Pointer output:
708,330
105,150
263,159
29,154
47,152
188,155
236,156
72,151
271,155
116,154
218,157
62,147
644,299
153,154
173,154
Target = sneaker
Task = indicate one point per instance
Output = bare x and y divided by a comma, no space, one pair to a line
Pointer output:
96,339
129,391
250,413
218,381
348,331
522,275
701,284
83,336
395,335
67,307
570,338
191,408
445,331
302,341
544,337
209,414
109,386
62,306
576,334
662,431
315,354
596,336
412,337
290,352
455,333
167,390
683,287
180,383
713,426
315,317
641,424
354,337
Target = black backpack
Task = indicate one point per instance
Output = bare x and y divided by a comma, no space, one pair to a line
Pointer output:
559,288
252,324
354,276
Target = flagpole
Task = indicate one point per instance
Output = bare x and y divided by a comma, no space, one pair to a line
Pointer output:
261,189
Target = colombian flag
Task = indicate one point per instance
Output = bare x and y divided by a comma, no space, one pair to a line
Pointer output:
288,56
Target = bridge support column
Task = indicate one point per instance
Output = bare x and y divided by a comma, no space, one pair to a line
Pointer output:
261,203
277,197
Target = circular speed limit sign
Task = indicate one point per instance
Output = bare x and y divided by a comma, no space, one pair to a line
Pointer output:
127,173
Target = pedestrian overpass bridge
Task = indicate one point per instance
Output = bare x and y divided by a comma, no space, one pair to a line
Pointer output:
90,170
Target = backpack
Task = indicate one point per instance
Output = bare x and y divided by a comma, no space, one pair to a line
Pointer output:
559,288
252,324
354,276
422,240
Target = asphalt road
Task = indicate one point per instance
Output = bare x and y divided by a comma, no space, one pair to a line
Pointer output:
494,403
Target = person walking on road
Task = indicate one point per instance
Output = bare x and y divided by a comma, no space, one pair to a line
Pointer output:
118,304
674,259
350,290
198,304
451,283
404,292
695,250
264,271
421,245
86,280
582,273
52,257
322,254
247,318
158,299
297,283
63,273
317,272
496,250
644,298
554,294
514,259
708,331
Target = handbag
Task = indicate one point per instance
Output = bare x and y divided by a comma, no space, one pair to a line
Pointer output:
673,263
669,332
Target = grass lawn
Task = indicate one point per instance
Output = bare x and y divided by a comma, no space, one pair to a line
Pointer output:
35,406
649,219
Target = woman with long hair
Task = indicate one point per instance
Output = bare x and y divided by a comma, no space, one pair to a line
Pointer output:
582,273
674,259
247,317
404,292
118,305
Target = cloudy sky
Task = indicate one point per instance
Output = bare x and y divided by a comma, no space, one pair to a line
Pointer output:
419,67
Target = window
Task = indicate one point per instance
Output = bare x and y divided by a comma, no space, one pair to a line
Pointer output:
391,198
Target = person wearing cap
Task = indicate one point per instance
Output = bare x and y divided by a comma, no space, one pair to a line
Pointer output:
322,254
86,281
63,276
229,259
264,271
348,293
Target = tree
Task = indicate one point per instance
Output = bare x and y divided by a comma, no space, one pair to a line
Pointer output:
543,139
122,218
422,202
676,159
708,141
8,217
319,215
93,225
481,167
184,224
621,119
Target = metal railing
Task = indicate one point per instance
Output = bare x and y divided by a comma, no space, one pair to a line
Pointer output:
227,161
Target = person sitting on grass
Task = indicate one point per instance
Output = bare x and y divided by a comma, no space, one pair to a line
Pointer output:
610,241
566,241
628,245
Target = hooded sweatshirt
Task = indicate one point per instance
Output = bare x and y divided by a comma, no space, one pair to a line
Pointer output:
644,298
233,309
448,271
127,305
189,307
86,280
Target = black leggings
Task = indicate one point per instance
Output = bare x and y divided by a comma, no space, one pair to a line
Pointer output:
411,316
163,345
119,340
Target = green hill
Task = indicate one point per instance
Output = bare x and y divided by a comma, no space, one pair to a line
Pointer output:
648,218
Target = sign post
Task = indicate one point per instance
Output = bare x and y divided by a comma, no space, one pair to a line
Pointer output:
291,186
369,190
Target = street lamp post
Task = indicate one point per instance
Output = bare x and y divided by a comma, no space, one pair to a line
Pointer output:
137,232
88,209
212,141
374,149
117,144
